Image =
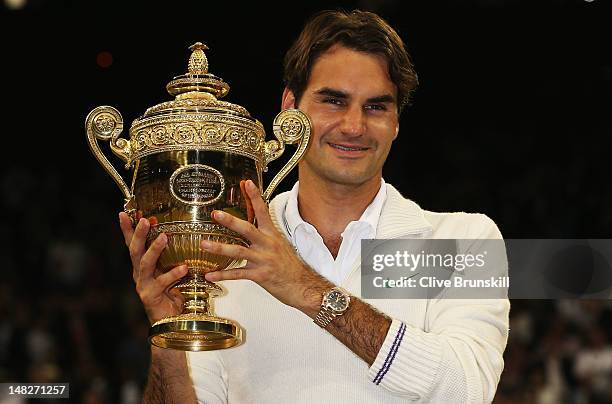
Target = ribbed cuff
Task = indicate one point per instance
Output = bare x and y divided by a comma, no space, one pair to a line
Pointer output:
408,361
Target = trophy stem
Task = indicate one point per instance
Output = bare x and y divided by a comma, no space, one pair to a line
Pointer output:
197,292
197,328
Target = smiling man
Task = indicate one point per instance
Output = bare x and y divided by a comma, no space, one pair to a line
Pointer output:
311,338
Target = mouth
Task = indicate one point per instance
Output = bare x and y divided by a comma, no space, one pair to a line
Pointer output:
348,148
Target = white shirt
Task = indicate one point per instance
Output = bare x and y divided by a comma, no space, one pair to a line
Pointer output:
311,247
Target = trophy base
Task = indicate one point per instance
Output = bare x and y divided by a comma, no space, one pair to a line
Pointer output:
195,332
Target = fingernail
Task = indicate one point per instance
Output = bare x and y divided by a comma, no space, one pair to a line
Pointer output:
183,269
162,238
206,244
251,185
218,214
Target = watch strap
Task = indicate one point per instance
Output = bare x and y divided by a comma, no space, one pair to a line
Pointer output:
324,317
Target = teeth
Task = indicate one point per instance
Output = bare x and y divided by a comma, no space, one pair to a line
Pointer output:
337,146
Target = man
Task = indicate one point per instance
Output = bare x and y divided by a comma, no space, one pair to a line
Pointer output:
350,72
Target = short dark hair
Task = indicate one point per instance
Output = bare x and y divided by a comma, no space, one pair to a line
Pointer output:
358,30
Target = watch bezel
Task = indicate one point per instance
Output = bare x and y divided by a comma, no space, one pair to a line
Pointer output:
328,304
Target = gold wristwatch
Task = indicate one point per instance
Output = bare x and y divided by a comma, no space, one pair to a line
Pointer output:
335,303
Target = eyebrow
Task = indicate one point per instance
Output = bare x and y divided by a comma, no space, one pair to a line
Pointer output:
381,99
330,92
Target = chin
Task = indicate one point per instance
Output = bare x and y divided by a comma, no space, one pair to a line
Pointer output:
342,174
347,178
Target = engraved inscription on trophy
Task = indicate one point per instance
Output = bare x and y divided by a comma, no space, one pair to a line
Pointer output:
197,184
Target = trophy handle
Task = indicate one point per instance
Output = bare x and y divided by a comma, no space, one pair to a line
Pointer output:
290,126
106,123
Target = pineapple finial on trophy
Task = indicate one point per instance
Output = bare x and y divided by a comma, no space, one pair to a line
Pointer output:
198,82
198,63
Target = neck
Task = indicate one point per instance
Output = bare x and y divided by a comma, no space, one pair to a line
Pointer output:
330,207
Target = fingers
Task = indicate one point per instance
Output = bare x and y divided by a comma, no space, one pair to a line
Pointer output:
149,259
126,227
178,300
243,227
259,206
254,203
137,243
228,250
230,275
164,281
249,204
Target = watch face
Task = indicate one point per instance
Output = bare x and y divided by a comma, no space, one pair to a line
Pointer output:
337,301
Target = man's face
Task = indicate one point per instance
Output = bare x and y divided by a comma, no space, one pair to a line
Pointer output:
353,106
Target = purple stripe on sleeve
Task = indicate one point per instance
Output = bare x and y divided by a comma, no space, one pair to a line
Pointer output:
391,354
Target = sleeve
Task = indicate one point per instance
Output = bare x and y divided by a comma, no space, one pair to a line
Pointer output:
458,358
208,376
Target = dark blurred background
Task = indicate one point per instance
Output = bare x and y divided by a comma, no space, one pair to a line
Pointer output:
512,119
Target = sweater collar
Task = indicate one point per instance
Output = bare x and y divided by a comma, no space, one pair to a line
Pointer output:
400,216
370,217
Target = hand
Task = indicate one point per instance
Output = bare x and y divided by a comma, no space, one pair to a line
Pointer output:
272,261
152,286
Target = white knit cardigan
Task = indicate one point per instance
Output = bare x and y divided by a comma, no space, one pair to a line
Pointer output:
439,351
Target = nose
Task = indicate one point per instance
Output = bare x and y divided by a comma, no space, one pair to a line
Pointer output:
353,122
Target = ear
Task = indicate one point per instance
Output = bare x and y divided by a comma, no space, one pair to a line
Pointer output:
396,131
288,100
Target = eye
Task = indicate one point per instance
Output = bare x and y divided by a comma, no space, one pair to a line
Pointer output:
333,100
375,107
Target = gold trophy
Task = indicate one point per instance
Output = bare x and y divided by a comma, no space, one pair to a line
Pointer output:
190,156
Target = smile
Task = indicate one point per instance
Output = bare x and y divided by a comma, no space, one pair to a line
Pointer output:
348,148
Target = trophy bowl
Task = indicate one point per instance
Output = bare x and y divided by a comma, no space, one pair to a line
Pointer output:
188,157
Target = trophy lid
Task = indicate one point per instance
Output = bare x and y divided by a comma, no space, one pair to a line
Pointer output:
197,90
197,119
